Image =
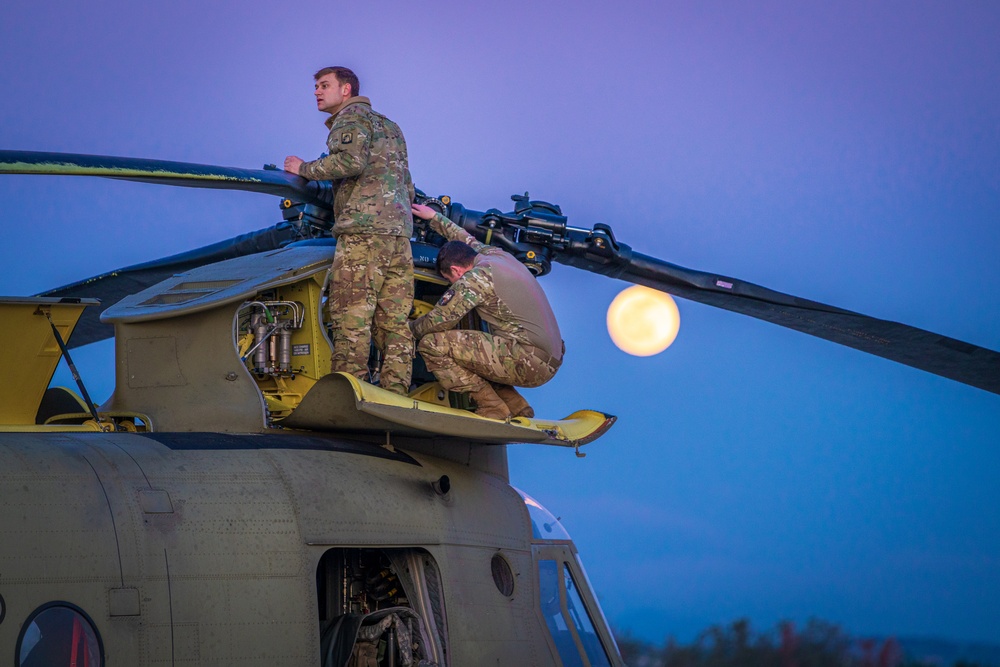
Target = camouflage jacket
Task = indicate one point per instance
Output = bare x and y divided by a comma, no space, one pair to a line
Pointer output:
368,165
502,291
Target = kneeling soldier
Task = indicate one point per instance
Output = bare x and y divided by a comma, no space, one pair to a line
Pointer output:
524,349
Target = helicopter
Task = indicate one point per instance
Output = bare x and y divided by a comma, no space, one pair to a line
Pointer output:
233,502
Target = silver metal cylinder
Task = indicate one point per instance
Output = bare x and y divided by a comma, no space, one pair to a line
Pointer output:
259,324
272,346
285,348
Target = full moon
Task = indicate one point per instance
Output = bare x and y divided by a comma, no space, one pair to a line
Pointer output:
643,321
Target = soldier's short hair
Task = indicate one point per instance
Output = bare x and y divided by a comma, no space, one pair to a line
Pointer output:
344,75
455,253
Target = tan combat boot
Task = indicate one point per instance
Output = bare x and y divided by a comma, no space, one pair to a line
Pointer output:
488,404
516,403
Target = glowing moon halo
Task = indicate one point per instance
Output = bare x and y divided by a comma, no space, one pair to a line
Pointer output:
643,321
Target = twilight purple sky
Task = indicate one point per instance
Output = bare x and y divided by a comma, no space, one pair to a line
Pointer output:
844,152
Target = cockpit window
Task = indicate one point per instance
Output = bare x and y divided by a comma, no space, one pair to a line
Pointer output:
567,617
555,619
581,620
59,634
544,526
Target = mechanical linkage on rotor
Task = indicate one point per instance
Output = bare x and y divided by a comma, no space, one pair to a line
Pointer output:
537,233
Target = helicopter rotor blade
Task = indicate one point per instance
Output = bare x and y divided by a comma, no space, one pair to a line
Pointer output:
592,250
954,359
162,172
536,232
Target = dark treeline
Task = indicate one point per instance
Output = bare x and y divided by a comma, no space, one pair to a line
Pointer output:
816,644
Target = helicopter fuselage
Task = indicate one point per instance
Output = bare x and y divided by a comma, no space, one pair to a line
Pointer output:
213,549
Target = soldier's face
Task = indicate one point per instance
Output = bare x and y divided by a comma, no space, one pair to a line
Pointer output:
330,93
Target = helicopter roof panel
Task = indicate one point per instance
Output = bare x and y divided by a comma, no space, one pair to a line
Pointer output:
223,282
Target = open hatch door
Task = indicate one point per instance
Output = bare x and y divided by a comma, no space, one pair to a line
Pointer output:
29,352
341,402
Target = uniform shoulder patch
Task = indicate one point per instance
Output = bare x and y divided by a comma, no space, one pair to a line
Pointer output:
446,297
346,137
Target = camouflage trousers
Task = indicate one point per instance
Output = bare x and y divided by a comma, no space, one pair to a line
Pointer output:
464,360
371,295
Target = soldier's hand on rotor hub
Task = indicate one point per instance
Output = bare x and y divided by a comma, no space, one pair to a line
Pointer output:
422,211
292,164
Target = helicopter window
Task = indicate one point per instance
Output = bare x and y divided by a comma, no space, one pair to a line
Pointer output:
59,634
567,617
544,526
502,575
550,593
599,615
581,620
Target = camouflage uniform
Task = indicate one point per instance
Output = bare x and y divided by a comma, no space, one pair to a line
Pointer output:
524,349
371,289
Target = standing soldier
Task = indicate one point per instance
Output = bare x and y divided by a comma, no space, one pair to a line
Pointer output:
524,348
371,287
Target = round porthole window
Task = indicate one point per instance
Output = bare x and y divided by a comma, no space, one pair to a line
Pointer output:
3,609
59,633
502,575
